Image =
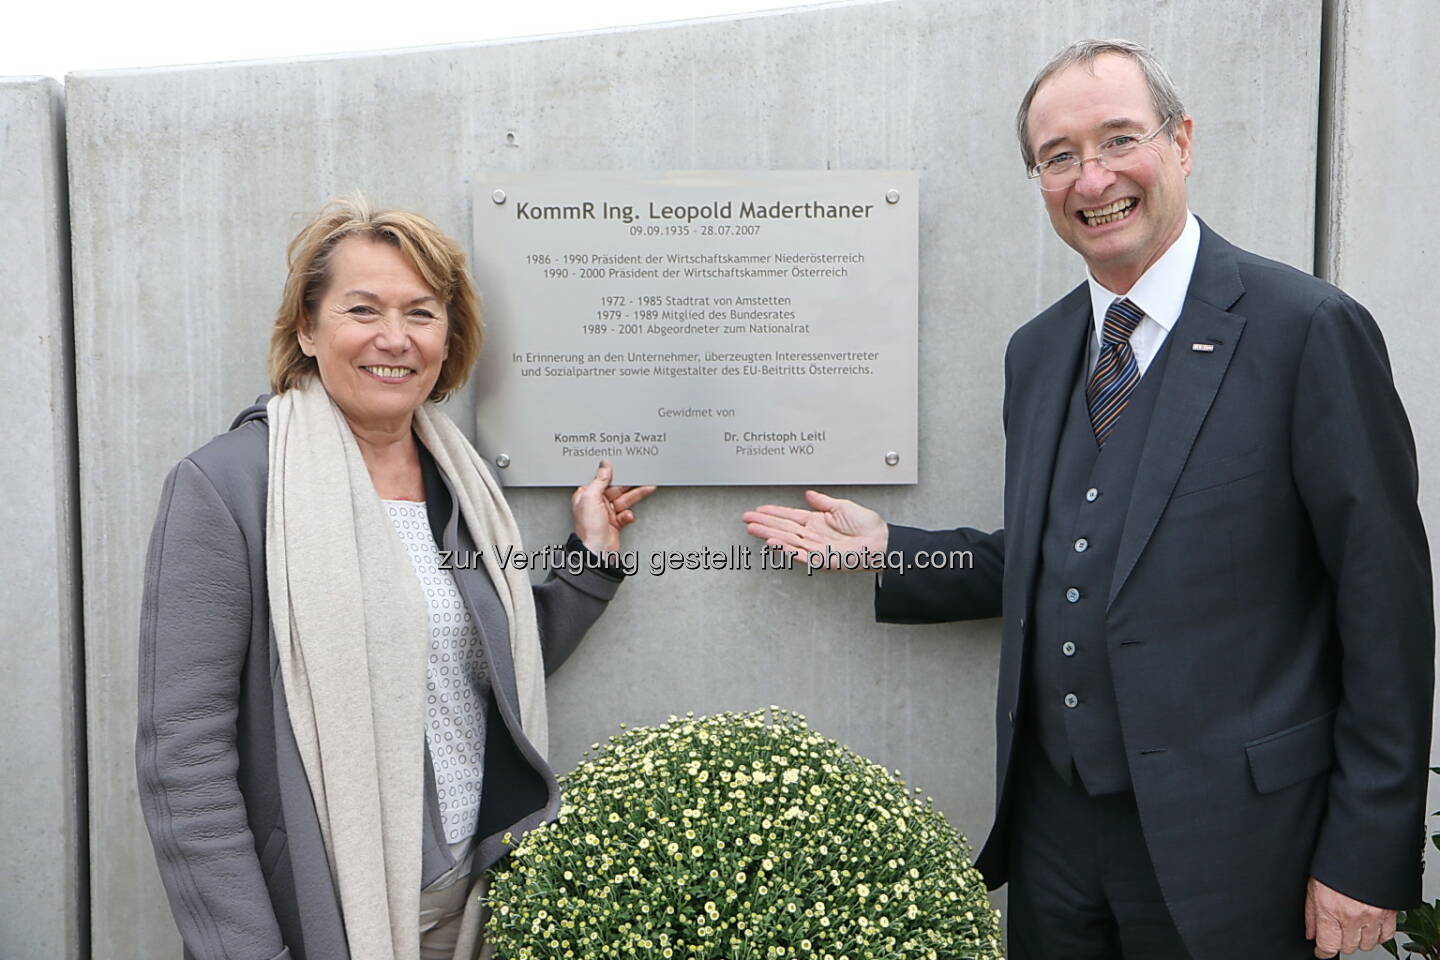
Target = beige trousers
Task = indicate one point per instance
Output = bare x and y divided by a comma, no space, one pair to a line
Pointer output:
452,912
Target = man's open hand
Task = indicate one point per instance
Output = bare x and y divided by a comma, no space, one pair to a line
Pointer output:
820,536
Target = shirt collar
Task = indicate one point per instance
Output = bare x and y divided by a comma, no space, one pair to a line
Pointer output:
1160,291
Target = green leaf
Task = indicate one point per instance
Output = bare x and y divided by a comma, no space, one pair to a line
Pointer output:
1426,915
1420,924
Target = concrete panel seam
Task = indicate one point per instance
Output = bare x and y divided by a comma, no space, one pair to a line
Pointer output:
1329,163
81,763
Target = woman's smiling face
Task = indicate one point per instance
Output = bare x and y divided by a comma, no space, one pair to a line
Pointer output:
378,335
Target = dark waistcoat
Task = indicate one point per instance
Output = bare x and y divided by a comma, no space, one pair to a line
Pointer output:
1072,696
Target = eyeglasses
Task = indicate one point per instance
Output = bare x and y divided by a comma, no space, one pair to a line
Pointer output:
1116,154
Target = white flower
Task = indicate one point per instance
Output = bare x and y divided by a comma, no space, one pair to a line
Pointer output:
690,806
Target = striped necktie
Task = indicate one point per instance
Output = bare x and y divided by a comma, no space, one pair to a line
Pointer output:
1116,372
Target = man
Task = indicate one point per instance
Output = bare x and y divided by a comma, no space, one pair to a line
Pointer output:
1217,658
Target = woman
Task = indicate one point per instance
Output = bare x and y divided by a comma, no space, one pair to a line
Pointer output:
338,729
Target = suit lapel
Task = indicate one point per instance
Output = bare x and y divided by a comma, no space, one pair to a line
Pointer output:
1191,380
1053,375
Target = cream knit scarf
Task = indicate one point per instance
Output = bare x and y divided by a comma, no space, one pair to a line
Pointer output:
352,630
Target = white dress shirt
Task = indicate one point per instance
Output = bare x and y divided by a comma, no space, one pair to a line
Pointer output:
1160,292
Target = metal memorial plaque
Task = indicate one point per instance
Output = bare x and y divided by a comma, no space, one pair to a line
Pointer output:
711,327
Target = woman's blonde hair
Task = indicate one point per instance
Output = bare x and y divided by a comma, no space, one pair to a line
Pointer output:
439,261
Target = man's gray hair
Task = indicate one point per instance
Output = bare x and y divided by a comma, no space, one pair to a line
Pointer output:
1083,53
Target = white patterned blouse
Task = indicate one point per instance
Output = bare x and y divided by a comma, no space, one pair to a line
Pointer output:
457,678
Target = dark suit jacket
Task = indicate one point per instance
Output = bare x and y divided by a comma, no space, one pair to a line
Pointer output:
221,782
1269,626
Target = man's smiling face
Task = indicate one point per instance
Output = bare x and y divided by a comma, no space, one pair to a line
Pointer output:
1120,222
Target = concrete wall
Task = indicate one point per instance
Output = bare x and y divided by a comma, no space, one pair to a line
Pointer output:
1382,234
42,757
186,185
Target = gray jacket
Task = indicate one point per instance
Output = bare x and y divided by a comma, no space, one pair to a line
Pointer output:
222,786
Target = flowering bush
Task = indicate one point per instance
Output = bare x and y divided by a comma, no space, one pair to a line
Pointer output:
739,837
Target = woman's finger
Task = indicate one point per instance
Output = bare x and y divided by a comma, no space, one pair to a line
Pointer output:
630,497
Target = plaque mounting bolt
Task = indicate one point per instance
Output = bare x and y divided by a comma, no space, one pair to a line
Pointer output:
891,196
499,196
502,460
892,457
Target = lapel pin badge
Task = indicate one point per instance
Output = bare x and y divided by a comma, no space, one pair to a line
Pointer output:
1203,347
